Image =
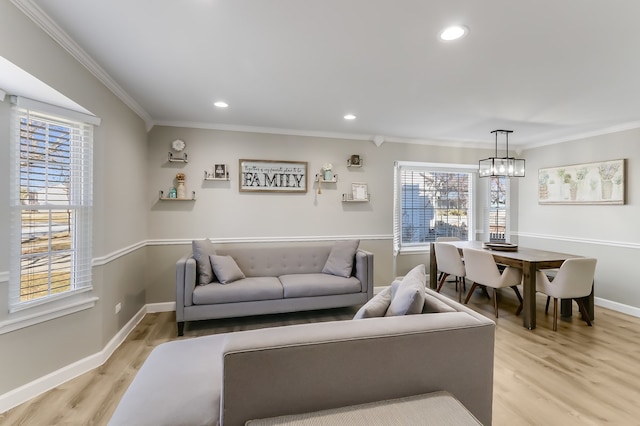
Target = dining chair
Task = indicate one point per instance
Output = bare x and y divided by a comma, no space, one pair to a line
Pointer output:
450,263
574,280
482,269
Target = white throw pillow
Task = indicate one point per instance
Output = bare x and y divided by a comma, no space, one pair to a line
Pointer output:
340,261
226,269
410,294
376,307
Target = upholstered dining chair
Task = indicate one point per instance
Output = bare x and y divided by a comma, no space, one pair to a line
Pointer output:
450,263
573,280
483,271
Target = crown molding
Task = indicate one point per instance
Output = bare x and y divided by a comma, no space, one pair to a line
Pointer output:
43,21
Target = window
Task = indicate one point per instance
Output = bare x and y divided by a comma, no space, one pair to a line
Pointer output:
51,205
431,201
498,196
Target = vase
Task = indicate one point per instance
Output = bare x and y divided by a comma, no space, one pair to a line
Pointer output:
607,189
180,190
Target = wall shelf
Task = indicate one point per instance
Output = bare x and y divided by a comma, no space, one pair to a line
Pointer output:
210,177
321,180
163,198
348,198
182,159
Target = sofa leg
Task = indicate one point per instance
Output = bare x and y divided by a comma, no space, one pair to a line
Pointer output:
180,328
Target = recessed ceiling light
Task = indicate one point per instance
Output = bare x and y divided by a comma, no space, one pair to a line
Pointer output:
454,32
221,104
349,117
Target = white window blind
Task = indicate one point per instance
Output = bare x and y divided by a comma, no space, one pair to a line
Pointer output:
51,182
430,201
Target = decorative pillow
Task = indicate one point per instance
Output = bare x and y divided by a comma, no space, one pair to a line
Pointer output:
434,305
340,261
226,269
202,249
410,294
376,307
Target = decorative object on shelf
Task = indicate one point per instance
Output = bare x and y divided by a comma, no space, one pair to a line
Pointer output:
178,145
359,191
348,198
326,171
589,183
173,193
354,161
170,198
501,166
273,176
180,190
220,171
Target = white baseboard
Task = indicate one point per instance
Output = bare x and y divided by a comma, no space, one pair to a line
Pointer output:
618,307
32,389
152,308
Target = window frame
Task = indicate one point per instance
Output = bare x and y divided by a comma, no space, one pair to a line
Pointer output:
471,169
78,297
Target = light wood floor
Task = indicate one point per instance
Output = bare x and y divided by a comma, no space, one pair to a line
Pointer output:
578,375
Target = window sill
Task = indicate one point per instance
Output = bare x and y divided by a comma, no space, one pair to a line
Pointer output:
47,312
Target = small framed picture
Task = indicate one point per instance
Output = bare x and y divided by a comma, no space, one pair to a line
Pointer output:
220,171
359,191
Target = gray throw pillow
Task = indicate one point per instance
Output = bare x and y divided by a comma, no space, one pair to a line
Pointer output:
202,249
340,261
226,269
376,307
410,294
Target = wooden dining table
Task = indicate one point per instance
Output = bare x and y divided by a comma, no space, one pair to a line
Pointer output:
529,260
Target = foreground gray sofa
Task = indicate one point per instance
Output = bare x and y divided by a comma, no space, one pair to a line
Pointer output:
279,278
228,379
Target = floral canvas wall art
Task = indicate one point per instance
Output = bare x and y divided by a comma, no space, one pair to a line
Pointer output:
591,183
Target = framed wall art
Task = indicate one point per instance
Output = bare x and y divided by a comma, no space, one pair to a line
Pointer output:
591,183
273,176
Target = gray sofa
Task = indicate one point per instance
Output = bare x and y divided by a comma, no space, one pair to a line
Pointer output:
229,379
279,278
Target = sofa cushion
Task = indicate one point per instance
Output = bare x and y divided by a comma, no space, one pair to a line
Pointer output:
340,261
409,295
376,307
435,305
305,285
173,370
226,269
244,290
202,249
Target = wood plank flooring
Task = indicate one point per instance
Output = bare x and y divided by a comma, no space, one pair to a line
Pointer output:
578,375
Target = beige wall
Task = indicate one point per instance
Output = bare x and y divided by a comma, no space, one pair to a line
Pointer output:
120,214
607,232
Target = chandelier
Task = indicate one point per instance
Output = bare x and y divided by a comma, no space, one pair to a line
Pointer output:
501,166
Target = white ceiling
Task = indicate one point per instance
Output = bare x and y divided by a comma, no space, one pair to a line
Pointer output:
550,70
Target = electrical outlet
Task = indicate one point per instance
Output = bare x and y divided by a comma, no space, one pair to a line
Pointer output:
118,307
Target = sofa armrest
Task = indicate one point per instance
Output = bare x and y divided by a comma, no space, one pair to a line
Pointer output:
321,366
364,271
185,283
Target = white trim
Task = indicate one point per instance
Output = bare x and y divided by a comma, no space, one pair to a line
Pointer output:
618,307
153,308
17,321
2,95
42,20
620,244
103,260
43,384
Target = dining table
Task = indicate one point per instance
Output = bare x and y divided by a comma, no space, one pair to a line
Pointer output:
529,260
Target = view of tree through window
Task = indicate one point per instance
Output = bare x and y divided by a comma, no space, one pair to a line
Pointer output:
47,220
498,209
434,204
